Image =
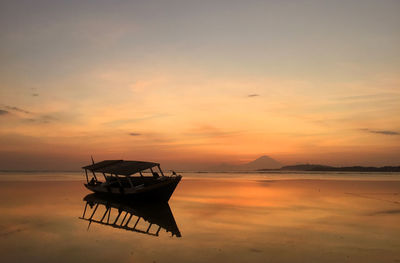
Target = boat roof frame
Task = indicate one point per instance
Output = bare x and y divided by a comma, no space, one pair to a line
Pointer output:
120,167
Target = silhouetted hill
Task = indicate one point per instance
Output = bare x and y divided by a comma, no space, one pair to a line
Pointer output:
322,168
307,167
263,162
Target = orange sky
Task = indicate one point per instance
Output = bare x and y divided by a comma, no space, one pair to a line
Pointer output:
191,84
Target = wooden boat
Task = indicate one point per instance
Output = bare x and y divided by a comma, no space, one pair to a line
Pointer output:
121,213
131,179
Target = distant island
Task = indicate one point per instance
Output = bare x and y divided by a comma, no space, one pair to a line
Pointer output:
266,163
326,168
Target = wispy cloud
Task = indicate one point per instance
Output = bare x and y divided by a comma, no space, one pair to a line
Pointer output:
376,96
35,94
384,132
42,119
3,112
13,108
386,212
253,95
134,120
210,131
29,117
135,134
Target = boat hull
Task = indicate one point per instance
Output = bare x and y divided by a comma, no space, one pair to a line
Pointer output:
159,190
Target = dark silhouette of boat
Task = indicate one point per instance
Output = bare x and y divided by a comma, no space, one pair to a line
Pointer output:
130,179
122,213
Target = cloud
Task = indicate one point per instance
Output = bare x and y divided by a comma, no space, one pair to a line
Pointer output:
210,131
17,109
3,112
386,212
376,96
35,94
134,120
30,117
253,95
384,132
134,134
42,119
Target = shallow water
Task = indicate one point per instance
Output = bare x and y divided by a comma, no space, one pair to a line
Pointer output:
269,175
233,219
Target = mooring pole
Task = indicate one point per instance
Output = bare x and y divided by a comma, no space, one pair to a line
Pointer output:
87,178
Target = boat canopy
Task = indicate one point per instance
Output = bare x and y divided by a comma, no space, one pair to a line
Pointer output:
120,167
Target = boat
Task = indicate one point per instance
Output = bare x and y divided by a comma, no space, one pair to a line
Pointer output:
122,213
131,179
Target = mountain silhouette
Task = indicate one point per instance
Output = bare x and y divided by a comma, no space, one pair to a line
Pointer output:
263,162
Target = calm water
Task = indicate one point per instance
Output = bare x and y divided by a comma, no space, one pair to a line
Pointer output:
220,218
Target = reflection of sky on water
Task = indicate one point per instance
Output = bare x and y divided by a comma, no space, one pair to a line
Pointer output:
220,220
270,175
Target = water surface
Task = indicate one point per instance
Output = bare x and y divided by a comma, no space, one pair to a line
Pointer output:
228,218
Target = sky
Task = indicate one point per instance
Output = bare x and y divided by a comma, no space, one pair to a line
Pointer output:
196,83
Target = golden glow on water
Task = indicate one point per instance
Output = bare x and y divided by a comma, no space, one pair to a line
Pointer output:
225,220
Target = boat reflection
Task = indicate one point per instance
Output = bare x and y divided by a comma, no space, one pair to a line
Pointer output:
145,218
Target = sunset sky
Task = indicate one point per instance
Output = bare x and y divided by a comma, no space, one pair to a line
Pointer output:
195,83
